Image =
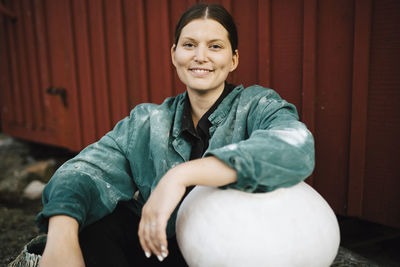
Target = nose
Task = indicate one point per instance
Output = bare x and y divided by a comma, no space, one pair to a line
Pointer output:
201,53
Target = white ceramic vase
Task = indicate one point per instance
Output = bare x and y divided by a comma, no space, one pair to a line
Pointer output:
288,227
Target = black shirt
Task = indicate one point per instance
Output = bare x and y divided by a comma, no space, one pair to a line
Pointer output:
199,137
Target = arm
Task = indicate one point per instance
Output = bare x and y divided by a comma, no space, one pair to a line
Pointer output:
62,246
168,194
89,186
279,152
84,190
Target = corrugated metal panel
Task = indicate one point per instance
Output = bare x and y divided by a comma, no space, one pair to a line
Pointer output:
336,60
382,169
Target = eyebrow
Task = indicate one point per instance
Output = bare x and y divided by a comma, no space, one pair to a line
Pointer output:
210,41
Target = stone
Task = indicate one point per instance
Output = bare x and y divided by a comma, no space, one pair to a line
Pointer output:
17,178
291,226
34,190
42,170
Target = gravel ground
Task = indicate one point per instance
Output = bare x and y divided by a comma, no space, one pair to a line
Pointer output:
17,227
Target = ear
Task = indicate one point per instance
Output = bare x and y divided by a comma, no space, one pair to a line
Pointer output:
235,60
173,47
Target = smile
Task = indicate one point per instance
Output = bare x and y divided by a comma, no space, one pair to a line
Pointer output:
200,73
200,70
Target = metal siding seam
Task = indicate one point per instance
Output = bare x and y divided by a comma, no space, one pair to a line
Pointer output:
116,64
125,99
107,94
6,100
24,62
33,70
17,106
264,42
39,92
309,75
91,70
5,80
361,63
334,64
43,63
98,67
83,73
31,120
143,54
21,69
75,138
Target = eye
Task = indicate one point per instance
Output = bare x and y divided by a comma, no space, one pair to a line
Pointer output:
188,45
215,46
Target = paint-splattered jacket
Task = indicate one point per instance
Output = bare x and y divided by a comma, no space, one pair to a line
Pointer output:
254,131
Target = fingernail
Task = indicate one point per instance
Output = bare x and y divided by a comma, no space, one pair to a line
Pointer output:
163,248
148,254
164,254
160,258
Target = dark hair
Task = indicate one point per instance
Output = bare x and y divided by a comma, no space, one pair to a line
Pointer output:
209,11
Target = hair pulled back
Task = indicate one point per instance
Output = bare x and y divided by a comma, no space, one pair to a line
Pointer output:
209,11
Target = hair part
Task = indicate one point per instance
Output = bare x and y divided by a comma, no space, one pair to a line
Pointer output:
209,11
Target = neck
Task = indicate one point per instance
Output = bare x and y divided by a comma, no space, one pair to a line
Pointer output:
201,102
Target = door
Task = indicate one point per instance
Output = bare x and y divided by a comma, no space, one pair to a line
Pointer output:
38,86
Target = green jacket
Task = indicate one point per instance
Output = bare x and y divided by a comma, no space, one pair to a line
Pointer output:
253,130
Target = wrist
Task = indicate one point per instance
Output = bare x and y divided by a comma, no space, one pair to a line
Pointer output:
179,175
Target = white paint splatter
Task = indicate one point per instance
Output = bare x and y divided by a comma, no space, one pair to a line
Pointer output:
231,147
295,137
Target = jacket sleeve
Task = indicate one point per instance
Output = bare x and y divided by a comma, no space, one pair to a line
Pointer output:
278,153
89,186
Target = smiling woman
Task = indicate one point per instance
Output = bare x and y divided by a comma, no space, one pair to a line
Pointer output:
203,59
215,134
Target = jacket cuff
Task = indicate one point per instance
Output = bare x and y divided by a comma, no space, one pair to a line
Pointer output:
241,162
73,210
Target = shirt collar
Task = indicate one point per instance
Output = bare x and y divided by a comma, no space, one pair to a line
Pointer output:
204,123
217,115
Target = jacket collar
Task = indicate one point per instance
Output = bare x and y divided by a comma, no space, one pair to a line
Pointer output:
215,118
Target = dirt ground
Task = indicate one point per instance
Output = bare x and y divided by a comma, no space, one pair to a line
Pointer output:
17,227
17,215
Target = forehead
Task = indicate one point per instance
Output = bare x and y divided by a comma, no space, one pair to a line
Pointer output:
200,29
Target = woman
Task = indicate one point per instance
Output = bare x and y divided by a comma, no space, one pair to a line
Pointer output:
119,197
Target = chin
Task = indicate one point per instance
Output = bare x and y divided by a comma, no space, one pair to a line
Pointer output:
203,87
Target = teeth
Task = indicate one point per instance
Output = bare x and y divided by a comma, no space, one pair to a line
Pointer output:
200,70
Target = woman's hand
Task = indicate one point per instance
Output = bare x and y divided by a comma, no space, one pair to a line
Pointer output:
155,215
208,171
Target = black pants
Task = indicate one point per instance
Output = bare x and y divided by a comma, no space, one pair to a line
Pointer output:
113,242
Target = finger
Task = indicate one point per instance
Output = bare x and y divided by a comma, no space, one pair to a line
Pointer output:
161,237
150,240
143,244
146,249
153,241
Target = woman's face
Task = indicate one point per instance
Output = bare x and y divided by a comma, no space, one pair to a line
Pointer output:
203,56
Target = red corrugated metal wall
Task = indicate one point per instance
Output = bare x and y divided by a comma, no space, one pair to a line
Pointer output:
336,60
